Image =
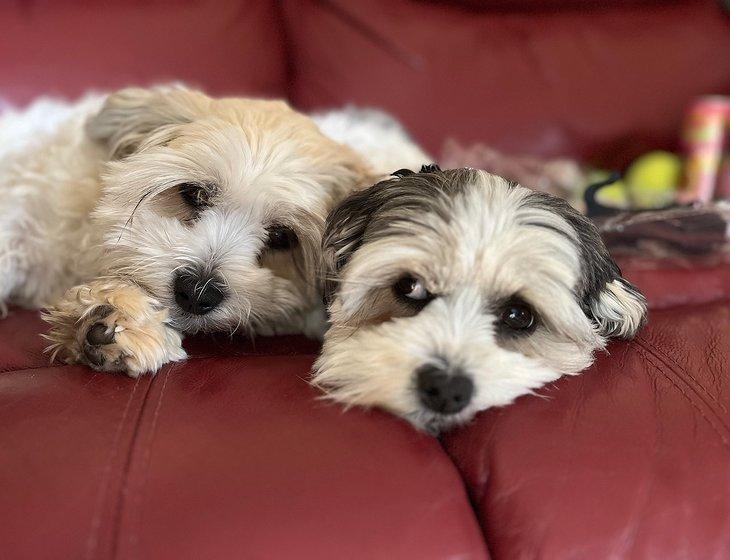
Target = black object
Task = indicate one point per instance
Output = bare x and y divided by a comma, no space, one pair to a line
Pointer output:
442,391
197,295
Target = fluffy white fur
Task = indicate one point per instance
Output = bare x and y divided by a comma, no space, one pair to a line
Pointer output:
377,136
94,225
474,245
619,309
48,186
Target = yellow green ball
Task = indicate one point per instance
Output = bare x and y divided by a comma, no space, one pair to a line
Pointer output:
652,180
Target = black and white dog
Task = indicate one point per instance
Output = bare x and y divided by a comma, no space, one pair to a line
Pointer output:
454,291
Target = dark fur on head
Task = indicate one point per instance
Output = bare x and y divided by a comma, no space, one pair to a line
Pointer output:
455,291
598,268
409,196
368,214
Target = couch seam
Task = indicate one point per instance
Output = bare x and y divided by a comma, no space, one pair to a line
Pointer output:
92,542
670,362
722,431
290,67
381,41
468,496
118,508
188,359
697,388
124,487
147,457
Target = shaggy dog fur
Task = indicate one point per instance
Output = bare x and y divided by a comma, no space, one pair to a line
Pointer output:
454,291
149,213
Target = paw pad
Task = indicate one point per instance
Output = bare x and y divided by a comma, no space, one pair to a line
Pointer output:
99,337
99,334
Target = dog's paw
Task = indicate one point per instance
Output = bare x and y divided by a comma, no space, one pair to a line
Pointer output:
112,326
113,341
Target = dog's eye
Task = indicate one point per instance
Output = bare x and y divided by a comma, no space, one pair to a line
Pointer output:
411,290
518,316
195,195
281,238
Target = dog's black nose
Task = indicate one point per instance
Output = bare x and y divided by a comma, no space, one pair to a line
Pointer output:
442,390
197,295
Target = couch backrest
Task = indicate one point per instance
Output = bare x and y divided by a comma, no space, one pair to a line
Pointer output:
594,81
65,47
599,80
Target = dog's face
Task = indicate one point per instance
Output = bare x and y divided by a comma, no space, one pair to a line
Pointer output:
217,207
454,291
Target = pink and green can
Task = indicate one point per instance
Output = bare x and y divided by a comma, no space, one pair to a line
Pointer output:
705,139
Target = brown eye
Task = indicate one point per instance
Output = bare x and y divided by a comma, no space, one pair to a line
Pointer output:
195,195
518,316
411,290
281,238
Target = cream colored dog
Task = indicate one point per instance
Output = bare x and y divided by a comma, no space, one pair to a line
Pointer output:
150,213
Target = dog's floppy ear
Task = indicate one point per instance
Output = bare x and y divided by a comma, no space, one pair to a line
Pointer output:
129,116
617,308
349,225
344,232
615,305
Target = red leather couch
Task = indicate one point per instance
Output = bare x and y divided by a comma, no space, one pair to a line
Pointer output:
231,455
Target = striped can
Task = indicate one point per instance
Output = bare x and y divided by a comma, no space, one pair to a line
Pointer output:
704,138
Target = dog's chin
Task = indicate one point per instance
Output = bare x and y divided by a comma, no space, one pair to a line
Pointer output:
434,423
222,321
211,322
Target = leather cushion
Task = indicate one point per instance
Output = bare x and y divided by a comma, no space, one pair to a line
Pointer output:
628,460
227,455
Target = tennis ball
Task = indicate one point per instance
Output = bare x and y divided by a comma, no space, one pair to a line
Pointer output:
652,180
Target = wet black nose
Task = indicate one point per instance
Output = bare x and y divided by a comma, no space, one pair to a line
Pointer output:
442,390
197,295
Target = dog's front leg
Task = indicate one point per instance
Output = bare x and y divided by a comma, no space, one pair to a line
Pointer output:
112,325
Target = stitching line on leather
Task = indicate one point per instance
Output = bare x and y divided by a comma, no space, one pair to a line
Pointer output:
373,36
92,542
206,356
672,364
137,505
722,430
118,510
